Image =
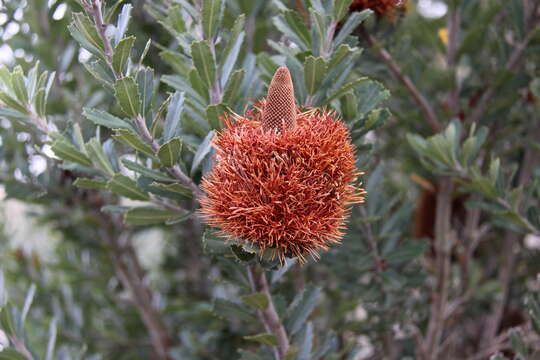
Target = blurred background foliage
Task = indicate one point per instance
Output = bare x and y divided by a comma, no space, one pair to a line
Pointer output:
107,111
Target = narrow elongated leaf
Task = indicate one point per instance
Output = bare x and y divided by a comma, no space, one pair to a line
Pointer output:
231,311
127,94
212,15
233,85
86,34
148,216
355,19
90,183
103,118
174,112
143,170
122,53
301,307
19,85
12,103
66,151
314,72
305,342
11,354
204,61
344,89
202,151
169,153
176,188
265,339
293,26
213,114
341,8
100,160
122,24
125,186
145,81
257,300
131,139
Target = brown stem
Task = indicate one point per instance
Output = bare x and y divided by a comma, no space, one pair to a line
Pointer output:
101,27
269,317
443,241
420,100
131,275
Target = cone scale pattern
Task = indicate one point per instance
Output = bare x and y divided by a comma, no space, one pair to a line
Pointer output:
282,179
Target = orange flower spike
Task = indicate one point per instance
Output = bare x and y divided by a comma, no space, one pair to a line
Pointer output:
282,179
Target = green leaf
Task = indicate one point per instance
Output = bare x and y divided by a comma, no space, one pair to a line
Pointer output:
204,62
341,8
231,311
6,320
82,29
292,25
11,354
349,104
122,24
301,307
125,186
67,151
344,89
233,85
242,252
197,84
231,51
314,72
177,188
258,300
214,114
203,150
265,339
127,94
143,170
90,183
305,342
19,85
148,216
352,23
212,15
406,252
12,103
103,118
145,82
122,53
131,139
174,113
169,153
100,160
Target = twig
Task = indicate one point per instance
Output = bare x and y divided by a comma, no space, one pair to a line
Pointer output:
269,317
443,242
420,100
131,275
379,262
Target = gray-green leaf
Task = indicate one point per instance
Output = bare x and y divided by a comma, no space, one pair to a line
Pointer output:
127,94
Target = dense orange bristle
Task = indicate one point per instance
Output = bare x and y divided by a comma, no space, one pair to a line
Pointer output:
290,191
279,113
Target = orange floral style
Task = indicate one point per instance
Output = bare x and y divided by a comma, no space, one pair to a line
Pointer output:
283,178
381,7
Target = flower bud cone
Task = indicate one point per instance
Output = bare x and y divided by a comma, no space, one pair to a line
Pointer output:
280,111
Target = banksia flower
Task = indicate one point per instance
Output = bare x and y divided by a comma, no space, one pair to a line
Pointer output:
282,178
381,7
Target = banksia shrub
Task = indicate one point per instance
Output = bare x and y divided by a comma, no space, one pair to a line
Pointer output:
283,178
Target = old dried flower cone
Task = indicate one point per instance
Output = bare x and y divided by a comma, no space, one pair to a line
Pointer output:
283,179
381,7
